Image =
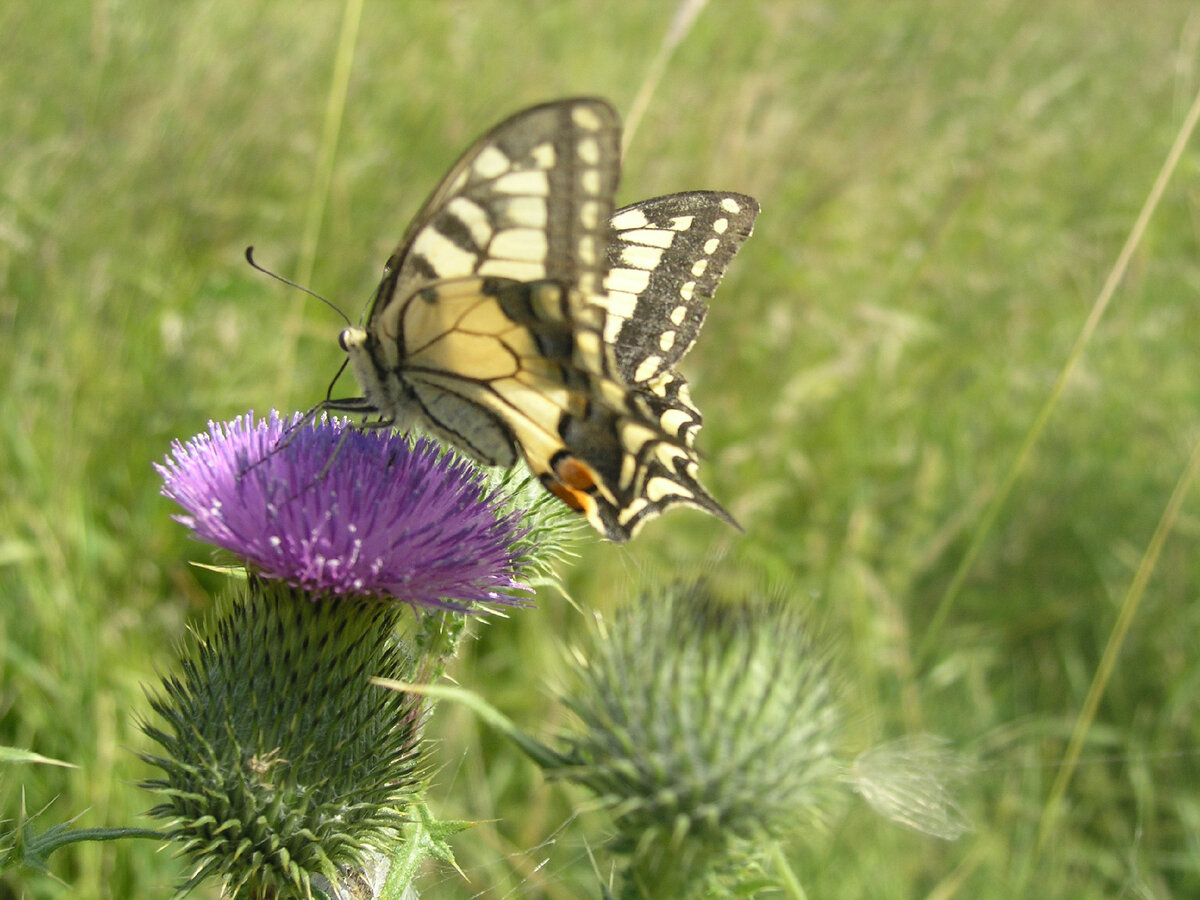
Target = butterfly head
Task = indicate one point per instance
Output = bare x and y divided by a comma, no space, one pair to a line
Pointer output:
353,340
357,342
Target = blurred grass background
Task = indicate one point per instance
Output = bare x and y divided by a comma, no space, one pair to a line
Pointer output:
945,187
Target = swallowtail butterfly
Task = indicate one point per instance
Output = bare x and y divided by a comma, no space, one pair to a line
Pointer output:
521,317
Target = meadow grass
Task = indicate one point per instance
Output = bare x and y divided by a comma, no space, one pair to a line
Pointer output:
945,189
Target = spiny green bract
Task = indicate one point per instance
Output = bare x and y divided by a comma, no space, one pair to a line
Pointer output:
708,727
281,762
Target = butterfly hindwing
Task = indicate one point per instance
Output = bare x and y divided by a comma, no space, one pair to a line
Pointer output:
521,318
593,442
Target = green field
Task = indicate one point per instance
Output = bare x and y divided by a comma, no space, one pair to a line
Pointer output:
946,187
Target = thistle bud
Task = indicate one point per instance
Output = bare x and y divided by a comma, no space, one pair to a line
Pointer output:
707,728
282,767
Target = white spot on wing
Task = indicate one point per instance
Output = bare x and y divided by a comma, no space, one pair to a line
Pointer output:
720,225
445,257
612,328
589,180
526,244
641,257
628,469
731,205
687,289
529,212
543,156
618,304
491,162
585,118
647,368
666,341
588,345
634,281
530,182
635,436
681,223
630,512
630,218
674,420
589,215
699,266
589,151
711,244
678,314
658,489
652,237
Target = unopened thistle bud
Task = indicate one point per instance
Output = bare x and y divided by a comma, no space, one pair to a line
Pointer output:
282,767
707,728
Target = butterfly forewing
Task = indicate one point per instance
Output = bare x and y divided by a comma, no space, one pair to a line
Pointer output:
665,259
529,200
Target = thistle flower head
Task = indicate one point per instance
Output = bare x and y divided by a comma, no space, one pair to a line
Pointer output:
704,726
336,510
282,767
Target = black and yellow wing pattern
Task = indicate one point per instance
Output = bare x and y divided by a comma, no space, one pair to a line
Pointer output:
665,258
520,317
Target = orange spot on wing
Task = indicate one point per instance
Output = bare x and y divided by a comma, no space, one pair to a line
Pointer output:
577,500
573,482
576,474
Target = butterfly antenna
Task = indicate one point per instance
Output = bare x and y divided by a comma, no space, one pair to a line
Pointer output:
290,283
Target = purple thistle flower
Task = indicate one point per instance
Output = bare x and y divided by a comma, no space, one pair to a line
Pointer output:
335,510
